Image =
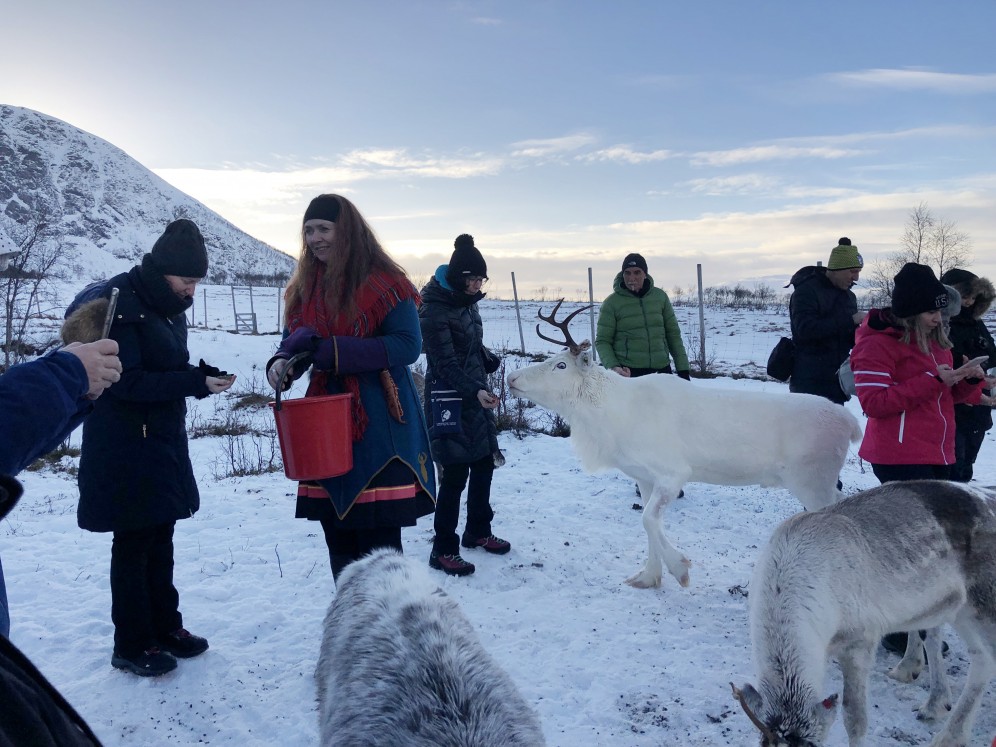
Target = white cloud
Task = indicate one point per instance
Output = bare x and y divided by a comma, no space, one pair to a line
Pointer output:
626,154
758,153
912,79
397,161
541,148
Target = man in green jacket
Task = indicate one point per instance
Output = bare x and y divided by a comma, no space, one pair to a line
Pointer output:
638,332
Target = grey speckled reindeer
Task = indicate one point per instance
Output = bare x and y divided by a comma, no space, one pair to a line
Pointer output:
902,556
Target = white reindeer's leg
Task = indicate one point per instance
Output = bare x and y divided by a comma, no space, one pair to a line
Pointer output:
658,547
855,664
938,703
981,641
912,663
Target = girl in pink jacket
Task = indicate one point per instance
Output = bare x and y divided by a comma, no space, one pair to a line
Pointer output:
906,383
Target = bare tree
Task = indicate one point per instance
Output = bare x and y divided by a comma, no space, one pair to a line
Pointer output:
926,240
25,290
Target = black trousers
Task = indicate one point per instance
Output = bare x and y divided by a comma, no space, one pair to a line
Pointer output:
899,472
452,480
347,545
144,602
968,442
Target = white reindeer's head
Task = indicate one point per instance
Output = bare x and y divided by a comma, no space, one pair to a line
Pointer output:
787,726
563,380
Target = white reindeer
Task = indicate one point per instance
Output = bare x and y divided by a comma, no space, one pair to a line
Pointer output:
902,556
663,432
401,666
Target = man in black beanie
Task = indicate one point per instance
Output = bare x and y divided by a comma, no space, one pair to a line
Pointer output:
638,332
180,251
135,476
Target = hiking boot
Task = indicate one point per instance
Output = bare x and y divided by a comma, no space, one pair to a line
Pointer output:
150,663
451,565
183,644
492,544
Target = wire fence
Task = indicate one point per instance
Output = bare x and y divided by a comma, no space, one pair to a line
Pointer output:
736,340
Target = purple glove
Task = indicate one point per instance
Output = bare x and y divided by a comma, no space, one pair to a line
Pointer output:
350,355
301,340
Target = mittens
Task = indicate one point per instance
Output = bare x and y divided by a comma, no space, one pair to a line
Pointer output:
685,375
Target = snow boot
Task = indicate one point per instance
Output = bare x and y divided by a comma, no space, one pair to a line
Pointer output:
149,663
451,565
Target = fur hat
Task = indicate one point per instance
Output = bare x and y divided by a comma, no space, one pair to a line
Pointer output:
845,256
969,284
916,289
180,251
323,207
466,261
634,260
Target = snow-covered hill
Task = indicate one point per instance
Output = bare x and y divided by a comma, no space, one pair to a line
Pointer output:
103,204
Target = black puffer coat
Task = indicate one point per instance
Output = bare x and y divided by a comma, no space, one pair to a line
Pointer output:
971,338
822,317
135,469
456,358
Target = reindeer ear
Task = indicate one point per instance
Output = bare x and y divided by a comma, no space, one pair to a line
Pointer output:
825,711
752,698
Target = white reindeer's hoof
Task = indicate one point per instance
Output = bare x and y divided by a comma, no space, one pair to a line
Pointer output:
933,711
903,674
644,580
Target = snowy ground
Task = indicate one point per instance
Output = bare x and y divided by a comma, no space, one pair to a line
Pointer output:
604,664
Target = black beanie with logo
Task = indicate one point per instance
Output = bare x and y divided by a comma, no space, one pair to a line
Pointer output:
915,290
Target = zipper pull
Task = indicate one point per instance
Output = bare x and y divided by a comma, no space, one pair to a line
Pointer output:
145,431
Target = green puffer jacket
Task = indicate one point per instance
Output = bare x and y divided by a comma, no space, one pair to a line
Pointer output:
639,331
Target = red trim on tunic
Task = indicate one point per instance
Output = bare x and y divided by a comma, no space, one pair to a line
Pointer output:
370,495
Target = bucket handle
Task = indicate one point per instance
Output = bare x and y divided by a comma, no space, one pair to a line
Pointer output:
287,369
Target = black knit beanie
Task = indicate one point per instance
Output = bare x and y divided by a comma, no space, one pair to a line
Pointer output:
916,289
957,277
180,251
323,207
635,260
466,261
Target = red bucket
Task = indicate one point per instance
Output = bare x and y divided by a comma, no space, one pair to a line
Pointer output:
316,435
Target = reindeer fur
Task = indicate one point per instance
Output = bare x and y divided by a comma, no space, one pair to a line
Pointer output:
401,666
663,432
902,556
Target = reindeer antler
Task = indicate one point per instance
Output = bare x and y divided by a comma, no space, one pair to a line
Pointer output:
563,327
765,731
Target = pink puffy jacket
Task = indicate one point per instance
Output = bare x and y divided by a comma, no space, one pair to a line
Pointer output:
910,411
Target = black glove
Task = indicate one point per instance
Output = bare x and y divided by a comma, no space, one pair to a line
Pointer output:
684,375
208,370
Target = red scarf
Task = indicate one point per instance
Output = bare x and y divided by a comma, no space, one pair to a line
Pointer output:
375,299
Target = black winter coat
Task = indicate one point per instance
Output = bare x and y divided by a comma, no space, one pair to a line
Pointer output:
456,358
822,317
971,338
135,469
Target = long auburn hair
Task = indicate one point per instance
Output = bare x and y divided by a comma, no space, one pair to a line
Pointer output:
356,253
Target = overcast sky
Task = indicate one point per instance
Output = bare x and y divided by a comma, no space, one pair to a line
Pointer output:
744,136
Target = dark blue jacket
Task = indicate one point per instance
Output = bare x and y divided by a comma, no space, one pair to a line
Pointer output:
135,470
42,403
